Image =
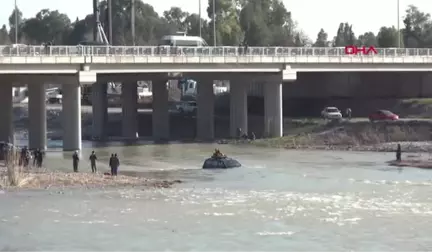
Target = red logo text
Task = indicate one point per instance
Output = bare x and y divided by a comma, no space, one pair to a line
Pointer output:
364,50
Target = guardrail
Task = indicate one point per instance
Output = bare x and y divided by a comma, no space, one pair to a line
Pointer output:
161,51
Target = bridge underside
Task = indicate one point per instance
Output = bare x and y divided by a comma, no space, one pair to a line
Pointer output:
71,103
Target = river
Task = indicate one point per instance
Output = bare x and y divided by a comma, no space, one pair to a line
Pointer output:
280,200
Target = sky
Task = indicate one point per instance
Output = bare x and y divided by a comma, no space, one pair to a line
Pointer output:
311,15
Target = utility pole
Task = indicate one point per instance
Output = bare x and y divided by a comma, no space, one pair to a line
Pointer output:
214,23
16,22
398,25
110,33
200,22
133,21
95,20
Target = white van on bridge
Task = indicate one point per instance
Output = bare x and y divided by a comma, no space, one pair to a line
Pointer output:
182,40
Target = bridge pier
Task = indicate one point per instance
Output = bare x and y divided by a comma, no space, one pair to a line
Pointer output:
100,110
238,107
72,116
129,101
205,109
160,119
6,125
37,116
273,117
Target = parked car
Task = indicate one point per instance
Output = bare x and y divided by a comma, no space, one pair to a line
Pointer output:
187,107
331,113
54,96
383,115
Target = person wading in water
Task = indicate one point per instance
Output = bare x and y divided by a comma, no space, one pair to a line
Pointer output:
399,153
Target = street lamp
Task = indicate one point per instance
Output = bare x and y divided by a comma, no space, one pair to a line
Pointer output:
214,23
398,25
133,21
200,23
16,22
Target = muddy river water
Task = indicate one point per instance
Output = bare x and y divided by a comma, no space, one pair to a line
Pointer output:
279,201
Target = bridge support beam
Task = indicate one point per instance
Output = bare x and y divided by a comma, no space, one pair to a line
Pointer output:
37,116
273,117
129,103
100,110
6,124
238,108
72,116
160,120
205,109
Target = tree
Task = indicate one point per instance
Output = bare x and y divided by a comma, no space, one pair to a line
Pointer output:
192,25
322,39
82,30
345,36
228,30
254,25
388,37
4,36
367,39
254,22
12,24
176,17
418,28
47,26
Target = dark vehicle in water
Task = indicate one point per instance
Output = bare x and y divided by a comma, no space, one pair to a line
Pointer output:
220,163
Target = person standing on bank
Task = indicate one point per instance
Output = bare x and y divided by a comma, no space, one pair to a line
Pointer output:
40,158
116,164
93,159
75,161
348,113
111,164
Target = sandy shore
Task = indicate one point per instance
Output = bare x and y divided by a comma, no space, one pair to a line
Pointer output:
46,179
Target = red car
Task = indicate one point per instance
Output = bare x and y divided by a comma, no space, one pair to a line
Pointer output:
383,115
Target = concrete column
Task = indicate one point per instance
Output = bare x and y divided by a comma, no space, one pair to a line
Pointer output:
205,109
129,101
100,110
273,118
71,116
37,116
161,127
6,122
238,107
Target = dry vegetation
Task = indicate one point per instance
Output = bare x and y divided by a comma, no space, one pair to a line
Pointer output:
352,136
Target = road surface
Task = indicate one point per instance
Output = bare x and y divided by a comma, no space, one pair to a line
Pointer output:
118,110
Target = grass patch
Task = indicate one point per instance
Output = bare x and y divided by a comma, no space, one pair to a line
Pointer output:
353,134
14,175
419,101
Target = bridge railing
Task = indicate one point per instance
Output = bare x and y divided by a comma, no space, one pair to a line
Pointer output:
161,51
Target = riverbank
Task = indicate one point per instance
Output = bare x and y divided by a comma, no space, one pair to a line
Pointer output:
413,135
43,179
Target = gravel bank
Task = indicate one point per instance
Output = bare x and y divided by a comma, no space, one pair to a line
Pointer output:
35,179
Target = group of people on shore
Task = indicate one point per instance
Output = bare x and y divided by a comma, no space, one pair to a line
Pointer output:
244,135
114,162
25,156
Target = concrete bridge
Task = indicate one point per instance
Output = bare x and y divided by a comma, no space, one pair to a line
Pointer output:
74,66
